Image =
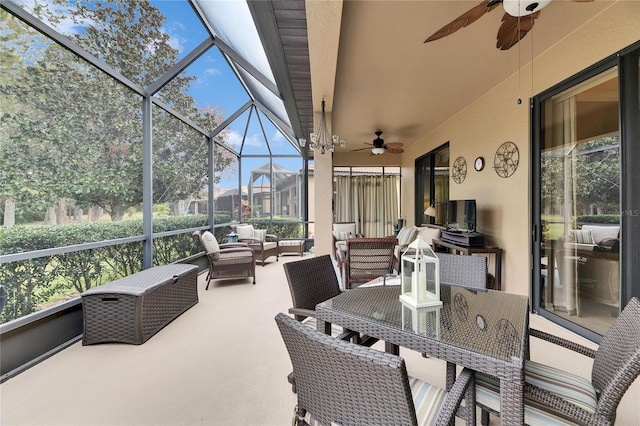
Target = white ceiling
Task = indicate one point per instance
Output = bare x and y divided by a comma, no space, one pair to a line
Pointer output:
387,78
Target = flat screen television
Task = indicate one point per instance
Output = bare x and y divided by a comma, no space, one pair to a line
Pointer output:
461,215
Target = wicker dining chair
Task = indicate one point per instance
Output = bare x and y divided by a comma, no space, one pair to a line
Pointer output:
338,382
464,271
366,259
311,281
555,396
231,260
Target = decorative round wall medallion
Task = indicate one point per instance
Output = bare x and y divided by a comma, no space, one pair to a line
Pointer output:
506,336
478,164
481,323
505,162
459,170
460,307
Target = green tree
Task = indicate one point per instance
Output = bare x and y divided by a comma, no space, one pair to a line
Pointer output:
76,131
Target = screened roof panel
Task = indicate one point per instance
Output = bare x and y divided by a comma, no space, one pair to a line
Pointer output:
265,96
212,84
232,23
135,38
278,143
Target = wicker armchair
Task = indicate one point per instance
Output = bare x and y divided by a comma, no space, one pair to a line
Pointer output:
366,259
552,394
233,260
263,244
338,382
341,232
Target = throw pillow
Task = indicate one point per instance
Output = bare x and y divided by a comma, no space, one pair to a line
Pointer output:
407,235
245,231
429,234
260,234
582,236
209,242
342,236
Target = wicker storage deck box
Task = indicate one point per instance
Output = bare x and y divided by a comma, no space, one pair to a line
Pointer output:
134,308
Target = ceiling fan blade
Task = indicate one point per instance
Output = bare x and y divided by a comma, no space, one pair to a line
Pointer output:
511,32
391,150
463,20
361,149
395,145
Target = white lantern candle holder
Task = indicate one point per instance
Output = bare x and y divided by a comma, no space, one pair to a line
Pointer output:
420,275
424,321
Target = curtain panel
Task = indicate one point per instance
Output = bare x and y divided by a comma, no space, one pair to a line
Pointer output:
370,201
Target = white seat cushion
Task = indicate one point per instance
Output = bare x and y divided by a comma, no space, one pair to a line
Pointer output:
343,231
245,231
427,400
574,389
601,232
269,245
209,242
290,243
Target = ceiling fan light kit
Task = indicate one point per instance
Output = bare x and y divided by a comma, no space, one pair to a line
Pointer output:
378,146
523,7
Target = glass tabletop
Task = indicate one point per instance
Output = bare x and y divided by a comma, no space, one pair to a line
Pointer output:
487,322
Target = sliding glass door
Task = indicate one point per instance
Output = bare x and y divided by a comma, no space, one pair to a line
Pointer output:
581,200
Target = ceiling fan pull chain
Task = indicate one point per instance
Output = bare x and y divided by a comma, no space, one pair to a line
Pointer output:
519,63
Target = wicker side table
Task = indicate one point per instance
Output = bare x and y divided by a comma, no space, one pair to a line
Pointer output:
134,308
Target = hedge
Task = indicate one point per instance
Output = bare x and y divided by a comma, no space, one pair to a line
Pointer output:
35,283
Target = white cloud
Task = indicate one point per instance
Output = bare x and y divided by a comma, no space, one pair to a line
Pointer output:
175,42
254,140
66,25
212,71
235,140
277,138
173,30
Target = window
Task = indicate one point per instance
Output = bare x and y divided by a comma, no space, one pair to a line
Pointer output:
432,186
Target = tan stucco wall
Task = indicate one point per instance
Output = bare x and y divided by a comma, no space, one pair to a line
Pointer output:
478,130
504,204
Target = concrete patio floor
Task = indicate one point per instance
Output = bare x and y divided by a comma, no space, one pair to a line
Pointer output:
220,363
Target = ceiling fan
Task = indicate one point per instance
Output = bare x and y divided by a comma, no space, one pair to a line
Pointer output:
518,20
379,147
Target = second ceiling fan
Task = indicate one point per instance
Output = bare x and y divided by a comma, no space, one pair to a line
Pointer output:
518,20
379,147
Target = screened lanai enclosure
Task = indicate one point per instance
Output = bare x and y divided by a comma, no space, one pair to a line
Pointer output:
125,127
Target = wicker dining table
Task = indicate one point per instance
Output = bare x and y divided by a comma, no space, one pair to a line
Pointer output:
484,330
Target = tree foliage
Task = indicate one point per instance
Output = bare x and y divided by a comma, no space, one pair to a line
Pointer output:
75,132
589,174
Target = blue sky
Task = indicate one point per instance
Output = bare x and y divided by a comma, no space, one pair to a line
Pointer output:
217,85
